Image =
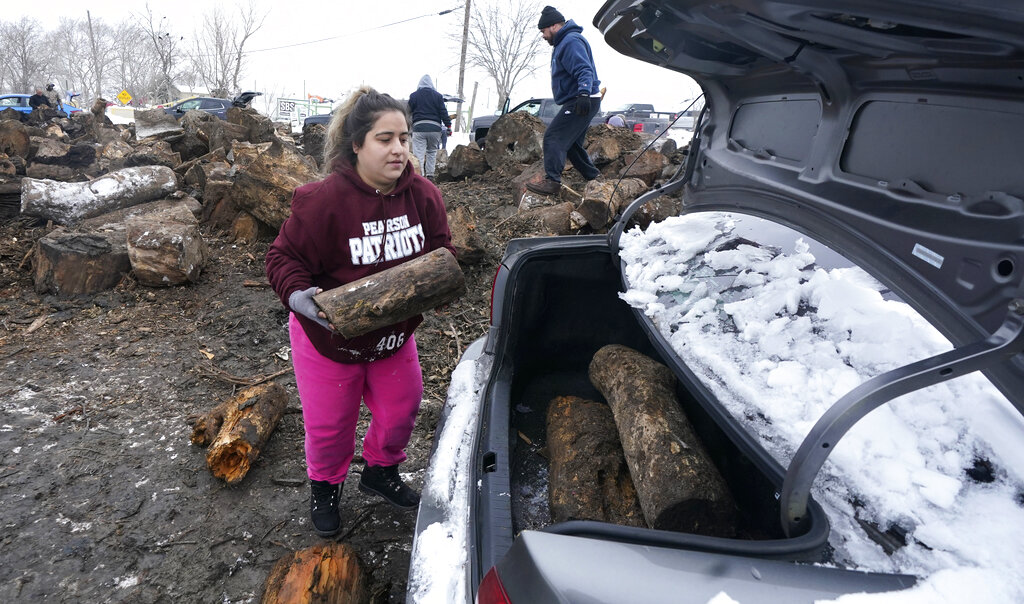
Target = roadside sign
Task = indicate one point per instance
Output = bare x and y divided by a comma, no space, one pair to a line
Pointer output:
124,97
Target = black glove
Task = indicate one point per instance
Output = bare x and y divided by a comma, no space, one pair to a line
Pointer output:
582,104
301,301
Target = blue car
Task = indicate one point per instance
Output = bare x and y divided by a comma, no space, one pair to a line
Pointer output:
19,102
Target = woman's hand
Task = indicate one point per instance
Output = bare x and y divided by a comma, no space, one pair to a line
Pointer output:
301,302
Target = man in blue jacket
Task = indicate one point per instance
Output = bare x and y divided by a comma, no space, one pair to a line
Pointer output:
429,118
574,85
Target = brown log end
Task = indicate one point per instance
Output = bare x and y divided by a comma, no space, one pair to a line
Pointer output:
329,572
230,462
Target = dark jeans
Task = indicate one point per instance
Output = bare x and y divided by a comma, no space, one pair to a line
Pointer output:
564,139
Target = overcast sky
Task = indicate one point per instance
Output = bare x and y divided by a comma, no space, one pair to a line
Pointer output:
331,47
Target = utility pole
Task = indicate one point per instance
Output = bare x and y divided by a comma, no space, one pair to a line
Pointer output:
460,125
95,57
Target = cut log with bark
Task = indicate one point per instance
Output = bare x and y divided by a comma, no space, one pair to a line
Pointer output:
602,200
588,477
237,429
466,237
393,295
266,175
165,247
325,573
69,202
69,263
679,487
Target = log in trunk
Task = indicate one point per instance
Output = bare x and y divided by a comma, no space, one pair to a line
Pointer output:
588,477
329,572
70,202
393,295
679,487
242,425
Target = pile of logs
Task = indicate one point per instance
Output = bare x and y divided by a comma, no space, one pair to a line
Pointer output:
130,199
635,460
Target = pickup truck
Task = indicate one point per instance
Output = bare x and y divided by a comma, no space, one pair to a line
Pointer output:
641,117
545,109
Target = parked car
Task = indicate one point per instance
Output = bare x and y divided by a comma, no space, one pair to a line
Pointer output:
824,152
212,105
19,102
545,109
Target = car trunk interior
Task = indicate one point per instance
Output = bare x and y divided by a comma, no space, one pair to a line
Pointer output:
566,307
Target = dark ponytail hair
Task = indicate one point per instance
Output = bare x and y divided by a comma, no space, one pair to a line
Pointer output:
352,121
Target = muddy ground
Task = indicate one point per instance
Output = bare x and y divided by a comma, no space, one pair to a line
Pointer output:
102,497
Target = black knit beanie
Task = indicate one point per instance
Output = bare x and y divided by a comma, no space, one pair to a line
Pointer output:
549,16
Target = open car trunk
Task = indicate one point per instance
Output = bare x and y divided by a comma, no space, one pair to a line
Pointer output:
562,296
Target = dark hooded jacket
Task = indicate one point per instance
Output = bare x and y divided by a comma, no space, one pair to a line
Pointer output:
340,230
427,108
572,65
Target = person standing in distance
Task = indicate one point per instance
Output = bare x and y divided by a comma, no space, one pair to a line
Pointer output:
573,84
370,213
429,118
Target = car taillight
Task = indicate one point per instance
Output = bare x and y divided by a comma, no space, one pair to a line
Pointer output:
491,590
638,127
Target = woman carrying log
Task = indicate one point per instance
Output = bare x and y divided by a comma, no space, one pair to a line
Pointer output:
371,212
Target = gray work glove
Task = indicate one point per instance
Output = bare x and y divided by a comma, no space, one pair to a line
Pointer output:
301,302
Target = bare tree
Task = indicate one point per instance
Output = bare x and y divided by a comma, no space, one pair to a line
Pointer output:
218,55
503,41
134,65
70,44
165,47
24,54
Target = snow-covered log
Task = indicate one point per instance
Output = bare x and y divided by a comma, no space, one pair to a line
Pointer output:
69,202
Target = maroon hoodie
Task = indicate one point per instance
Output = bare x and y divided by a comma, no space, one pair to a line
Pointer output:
334,236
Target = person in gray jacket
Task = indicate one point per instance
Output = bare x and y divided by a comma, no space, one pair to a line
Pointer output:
429,118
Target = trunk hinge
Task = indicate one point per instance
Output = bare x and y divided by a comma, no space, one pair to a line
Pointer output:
1007,341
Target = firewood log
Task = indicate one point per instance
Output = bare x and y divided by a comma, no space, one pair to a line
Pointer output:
393,295
71,202
679,487
329,572
588,477
242,426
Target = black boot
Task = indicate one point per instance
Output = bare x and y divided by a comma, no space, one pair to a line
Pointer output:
385,482
323,507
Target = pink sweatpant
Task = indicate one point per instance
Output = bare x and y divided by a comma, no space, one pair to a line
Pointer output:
330,393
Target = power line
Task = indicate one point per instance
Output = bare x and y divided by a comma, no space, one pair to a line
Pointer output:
444,12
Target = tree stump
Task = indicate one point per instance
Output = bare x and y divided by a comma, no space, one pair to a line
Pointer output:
679,487
328,573
588,477
237,429
69,263
393,295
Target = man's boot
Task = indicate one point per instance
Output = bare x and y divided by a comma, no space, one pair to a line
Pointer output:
385,482
544,187
323,507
